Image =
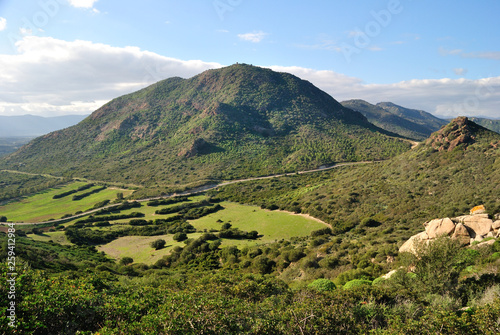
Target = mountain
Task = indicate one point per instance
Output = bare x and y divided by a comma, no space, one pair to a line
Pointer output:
32,126
228,123
411,123
493,125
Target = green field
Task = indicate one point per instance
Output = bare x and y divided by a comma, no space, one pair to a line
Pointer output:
56,237
273,225
138,247
41,207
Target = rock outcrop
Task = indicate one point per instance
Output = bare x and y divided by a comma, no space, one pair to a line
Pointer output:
467,229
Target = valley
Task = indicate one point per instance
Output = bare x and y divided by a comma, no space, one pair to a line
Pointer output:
247,201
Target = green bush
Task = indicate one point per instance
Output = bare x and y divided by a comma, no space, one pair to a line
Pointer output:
126,260
356,283
179,237
158,244
322,285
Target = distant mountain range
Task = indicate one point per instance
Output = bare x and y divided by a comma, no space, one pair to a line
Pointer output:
32,126
487,123
411,123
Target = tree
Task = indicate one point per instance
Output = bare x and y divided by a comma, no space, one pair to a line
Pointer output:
158,244
438,265
3,219
179,237
126,260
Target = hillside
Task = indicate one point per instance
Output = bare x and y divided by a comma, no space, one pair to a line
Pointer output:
227,123
414,124
493,125
442,177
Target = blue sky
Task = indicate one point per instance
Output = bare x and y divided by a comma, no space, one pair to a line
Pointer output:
71,56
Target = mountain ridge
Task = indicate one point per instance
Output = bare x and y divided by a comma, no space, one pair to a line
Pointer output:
227,123
410,123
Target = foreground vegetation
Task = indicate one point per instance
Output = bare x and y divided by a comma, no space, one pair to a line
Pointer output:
125,299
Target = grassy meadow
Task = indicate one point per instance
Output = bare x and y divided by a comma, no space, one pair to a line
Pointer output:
42,207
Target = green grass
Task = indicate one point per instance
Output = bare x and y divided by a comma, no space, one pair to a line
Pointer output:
138,247
41,207
273,225
56,237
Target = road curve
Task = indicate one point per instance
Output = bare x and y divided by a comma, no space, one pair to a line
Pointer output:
201,189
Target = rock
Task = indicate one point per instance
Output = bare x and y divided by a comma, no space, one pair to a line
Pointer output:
489,242
461,234
496,225
411,244
478,238
480,224
389,274
478,210
440,227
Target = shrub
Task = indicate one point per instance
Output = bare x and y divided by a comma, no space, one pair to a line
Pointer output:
158,244
322,285
356,283
179,237
126,260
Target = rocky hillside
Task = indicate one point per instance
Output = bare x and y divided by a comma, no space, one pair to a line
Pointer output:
227,123
461,131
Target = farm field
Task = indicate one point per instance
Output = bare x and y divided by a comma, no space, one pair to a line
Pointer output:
139,248
42,207
273,225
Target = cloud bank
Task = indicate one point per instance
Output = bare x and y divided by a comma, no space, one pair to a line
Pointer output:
52,77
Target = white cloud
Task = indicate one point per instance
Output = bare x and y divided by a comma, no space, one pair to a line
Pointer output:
441,97
82,3
53,77
254,37
3,23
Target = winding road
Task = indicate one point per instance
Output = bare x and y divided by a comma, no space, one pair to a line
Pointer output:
196,190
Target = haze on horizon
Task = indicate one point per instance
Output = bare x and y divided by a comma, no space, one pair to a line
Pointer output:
62,57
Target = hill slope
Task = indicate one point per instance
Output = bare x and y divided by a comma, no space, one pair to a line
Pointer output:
222,124
453,171
493,125
414,124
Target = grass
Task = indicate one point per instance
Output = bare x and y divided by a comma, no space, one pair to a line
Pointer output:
138,247
41,207
56,237
273,225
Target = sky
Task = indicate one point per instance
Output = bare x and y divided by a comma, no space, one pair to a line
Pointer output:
61,57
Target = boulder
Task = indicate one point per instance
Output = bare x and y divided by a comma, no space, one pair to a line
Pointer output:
478,210
480,224
440,227
411,244
461,234
496,225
